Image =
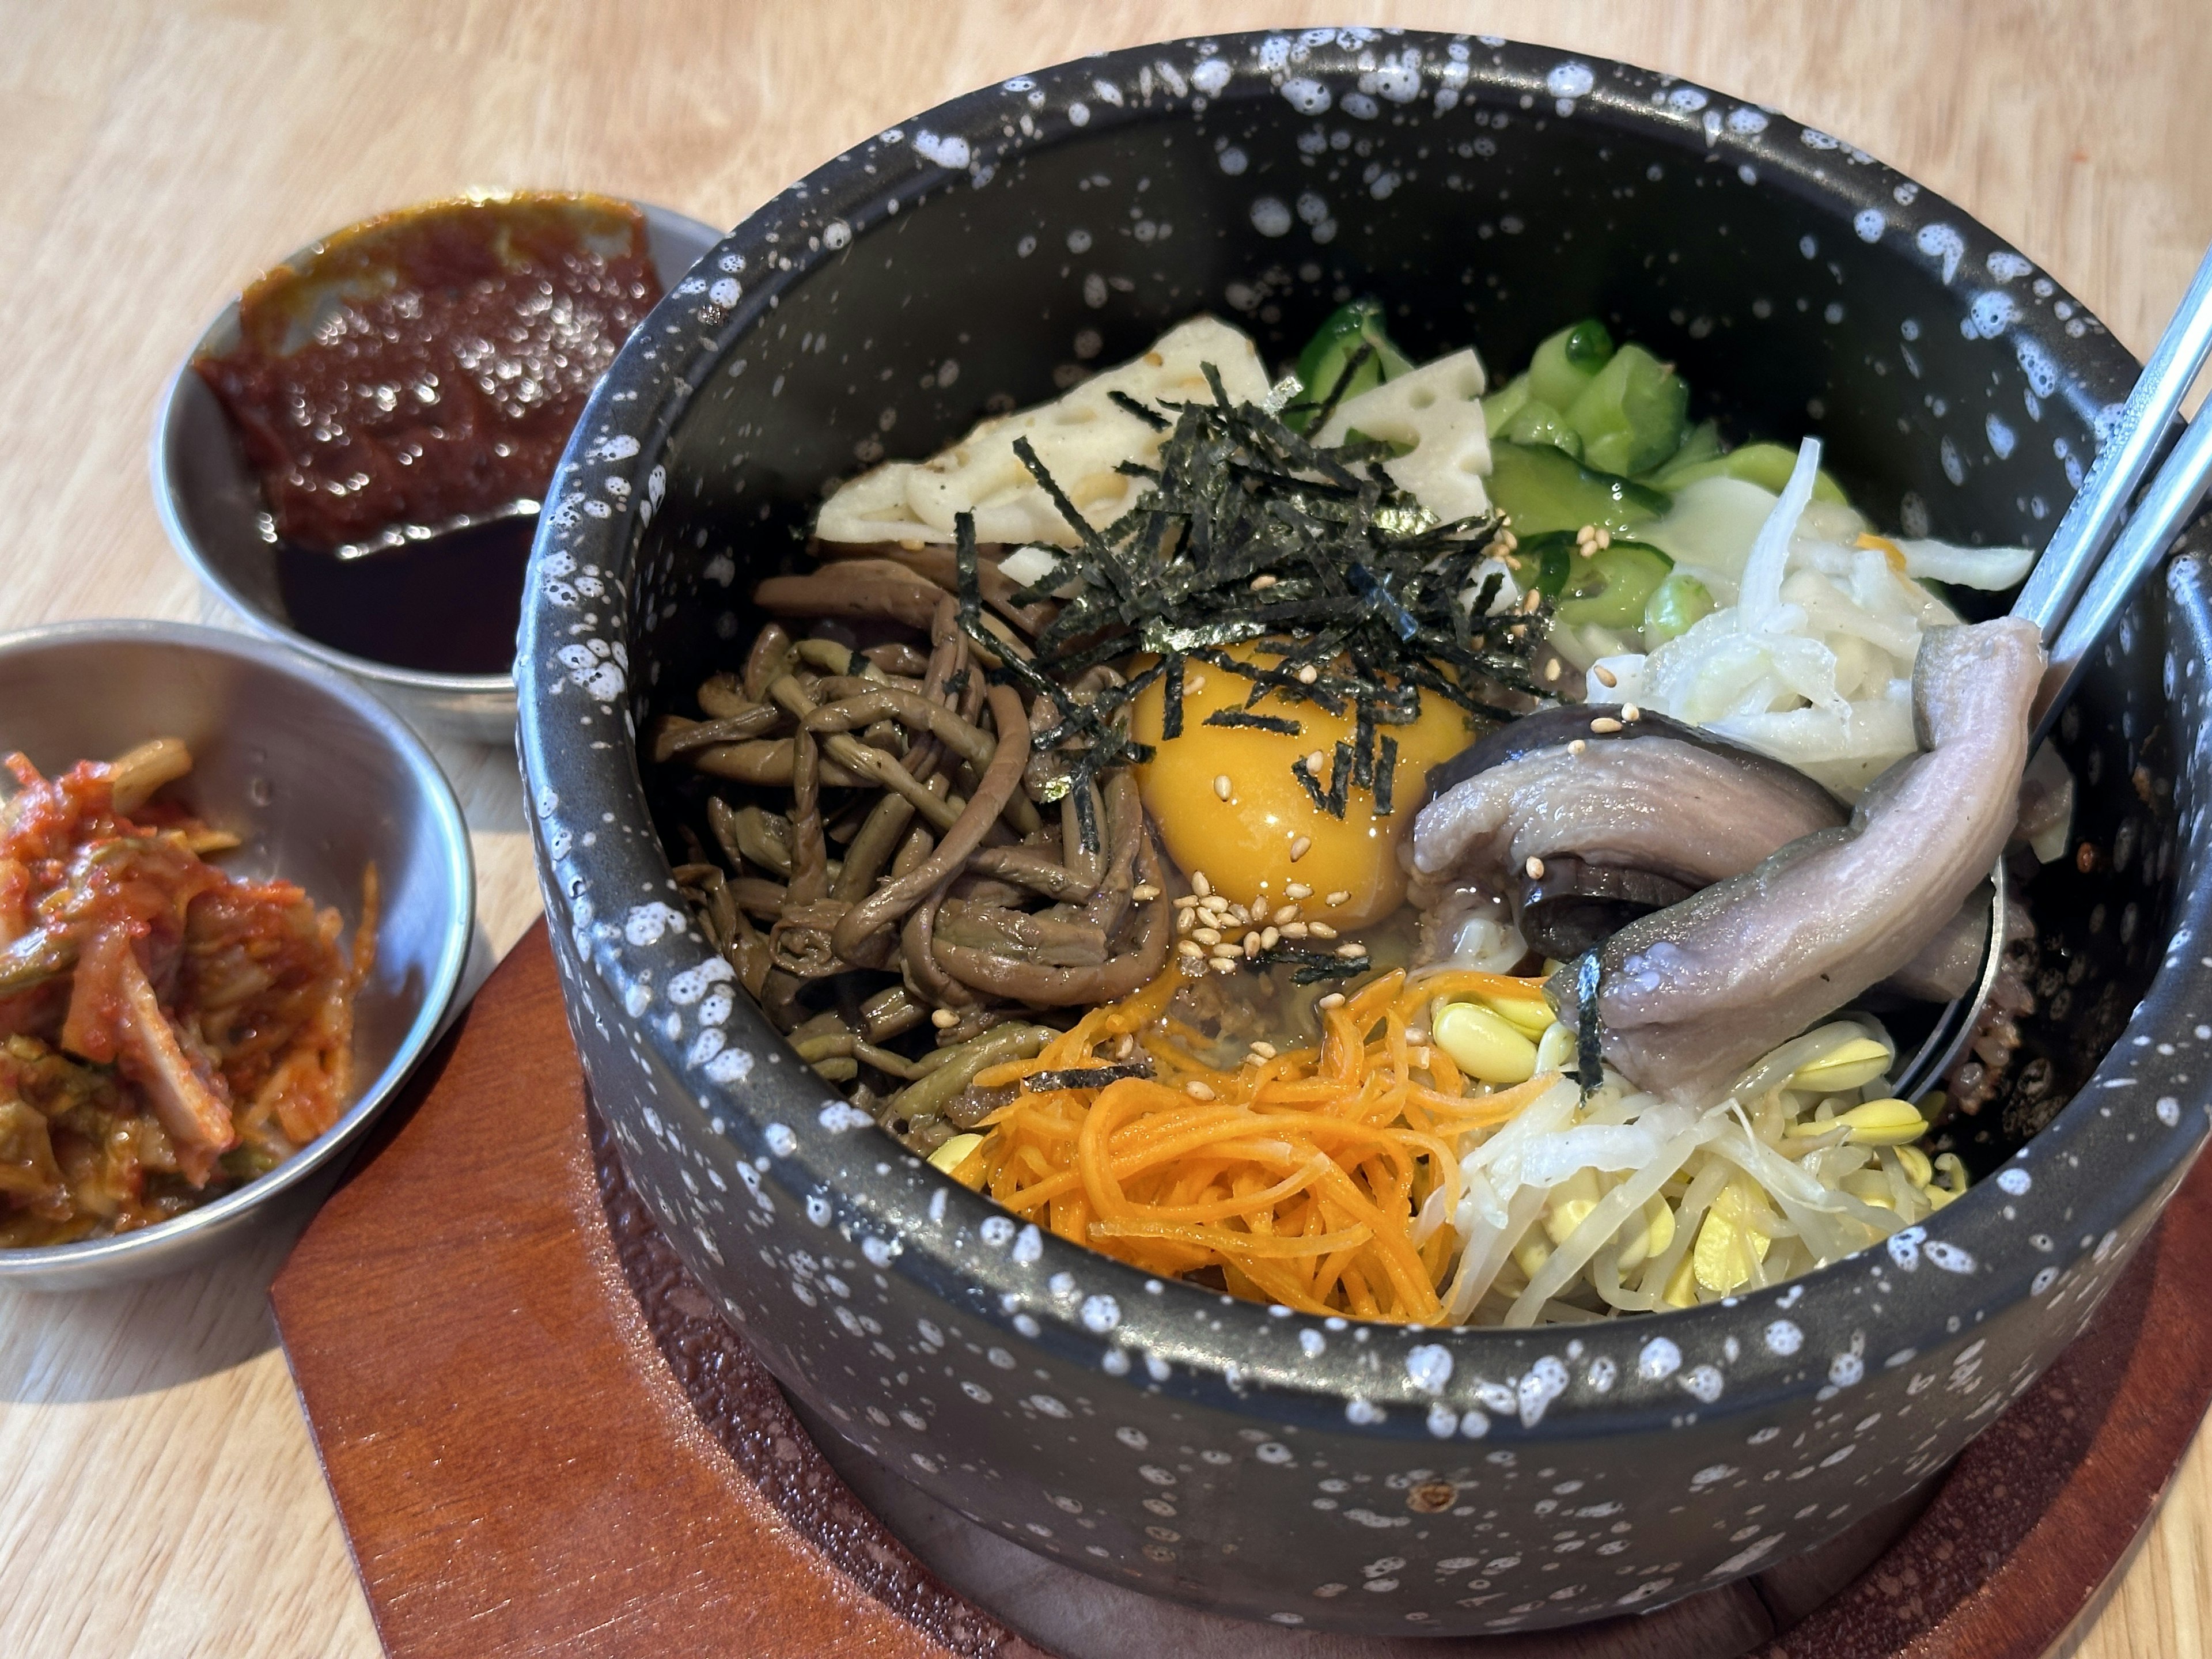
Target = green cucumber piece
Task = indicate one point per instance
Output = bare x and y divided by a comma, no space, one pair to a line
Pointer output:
1503,405
1767,465
1538,422
1322,364
1703,444
1630,415
1566,363
1675,606
1542,489
1609,587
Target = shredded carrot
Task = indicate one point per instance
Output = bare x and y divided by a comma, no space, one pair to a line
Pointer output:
1298,1177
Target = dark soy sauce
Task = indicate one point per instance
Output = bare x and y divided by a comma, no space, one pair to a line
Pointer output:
447,604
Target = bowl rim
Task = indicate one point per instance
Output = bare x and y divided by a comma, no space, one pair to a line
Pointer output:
44,1262
956,146
168,415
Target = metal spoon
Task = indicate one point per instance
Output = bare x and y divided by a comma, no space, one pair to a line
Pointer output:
2086,576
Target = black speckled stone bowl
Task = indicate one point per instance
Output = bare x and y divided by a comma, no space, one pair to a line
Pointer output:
1265,1464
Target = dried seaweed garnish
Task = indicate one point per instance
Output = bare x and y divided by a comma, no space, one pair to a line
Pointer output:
1151,417
1357,586
1340,780
1386,775
1311,784
1589,1064
1086,1077
1274,723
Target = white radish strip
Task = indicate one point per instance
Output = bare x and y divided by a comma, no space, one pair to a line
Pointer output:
1770,548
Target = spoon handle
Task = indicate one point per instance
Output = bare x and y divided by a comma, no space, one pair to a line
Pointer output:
2141,431
2172,496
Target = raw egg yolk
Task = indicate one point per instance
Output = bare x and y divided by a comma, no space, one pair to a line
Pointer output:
1228,804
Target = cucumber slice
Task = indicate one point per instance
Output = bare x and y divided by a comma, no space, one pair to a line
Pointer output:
1568,361
1703,444
1543,489
1503,405
1535,423
1675,606
1767,465
1608,588
1630,415
1323,363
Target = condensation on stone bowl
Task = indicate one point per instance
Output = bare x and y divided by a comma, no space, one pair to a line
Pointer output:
1318,1472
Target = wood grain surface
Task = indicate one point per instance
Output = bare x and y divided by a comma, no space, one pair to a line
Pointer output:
158,1493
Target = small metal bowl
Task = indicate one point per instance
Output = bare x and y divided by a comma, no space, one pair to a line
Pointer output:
318,779
211,505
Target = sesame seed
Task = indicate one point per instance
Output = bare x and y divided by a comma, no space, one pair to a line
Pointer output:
1333,1000
1270,938
1261,583
1197,1091
1603,725
1207,936
1588,550
1338,897
1225,964
1297,890
1308,674
1294,930
1314,762
1605,676
1604,538
1251,946
1535,599
1193,685
1577,746
1321,930
1587,533
943,1018
1519,630
1240,916
1631,713
1186,902
1227,950
1534,866
1264,1051
1298,847
1190,947
1199,883
1354,950
1127,1046
1185,920
1551,669
1222,786
1508,540
1287,913
1144,892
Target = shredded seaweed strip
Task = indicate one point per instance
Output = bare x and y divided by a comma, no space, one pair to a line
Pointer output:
1386,774
1254,532
1274,723
1310,783
1589,1064
1086,1077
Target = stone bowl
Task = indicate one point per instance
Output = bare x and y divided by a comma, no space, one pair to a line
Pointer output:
1309,1471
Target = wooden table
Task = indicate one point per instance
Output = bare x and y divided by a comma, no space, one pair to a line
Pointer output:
158,1495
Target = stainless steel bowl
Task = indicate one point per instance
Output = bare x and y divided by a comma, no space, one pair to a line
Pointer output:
319,779
211,505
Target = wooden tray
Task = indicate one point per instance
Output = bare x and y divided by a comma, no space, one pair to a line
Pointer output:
542,1441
